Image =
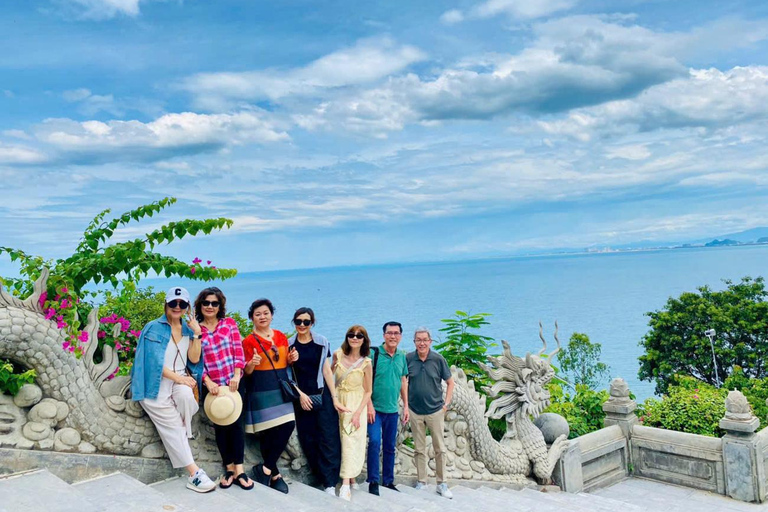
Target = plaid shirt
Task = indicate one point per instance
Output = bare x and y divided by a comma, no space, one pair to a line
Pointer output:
222,351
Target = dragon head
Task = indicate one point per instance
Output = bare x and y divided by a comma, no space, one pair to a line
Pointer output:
520,384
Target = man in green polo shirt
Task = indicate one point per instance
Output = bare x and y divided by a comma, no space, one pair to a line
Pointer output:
389,382
427,370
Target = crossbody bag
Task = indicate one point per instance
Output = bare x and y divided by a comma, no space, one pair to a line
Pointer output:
287,387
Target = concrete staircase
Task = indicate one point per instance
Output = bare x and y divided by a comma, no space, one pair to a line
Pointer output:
42,491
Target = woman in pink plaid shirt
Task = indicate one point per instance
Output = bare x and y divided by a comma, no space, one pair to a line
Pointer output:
224,363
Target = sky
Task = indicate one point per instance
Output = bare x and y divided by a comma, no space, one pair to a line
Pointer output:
348,133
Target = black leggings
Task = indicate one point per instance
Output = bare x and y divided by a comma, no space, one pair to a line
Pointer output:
319,437
273,443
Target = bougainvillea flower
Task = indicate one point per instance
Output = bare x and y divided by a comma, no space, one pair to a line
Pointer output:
192,270
50,313
196,261
83,337
101,335
209,262
42,299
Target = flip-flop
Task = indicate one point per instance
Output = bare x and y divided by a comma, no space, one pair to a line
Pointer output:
227,476
240,481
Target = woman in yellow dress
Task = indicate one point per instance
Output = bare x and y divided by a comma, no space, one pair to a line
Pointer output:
352,372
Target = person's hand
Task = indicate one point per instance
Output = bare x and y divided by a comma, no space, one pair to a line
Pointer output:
293,355
356,420
256,359
187,381
406,415
340,408
305,401
445,407
194,325
371,414
234,382
213,388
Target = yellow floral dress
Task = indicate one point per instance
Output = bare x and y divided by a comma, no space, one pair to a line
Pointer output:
350,392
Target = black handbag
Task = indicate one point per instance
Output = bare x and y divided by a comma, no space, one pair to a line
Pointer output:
287,387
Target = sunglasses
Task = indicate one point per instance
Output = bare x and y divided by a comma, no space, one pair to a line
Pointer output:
275,353
357,335
305,323
211,303
178,303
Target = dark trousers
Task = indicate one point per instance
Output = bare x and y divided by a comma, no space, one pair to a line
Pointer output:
230,439
382,432
273,442
319,437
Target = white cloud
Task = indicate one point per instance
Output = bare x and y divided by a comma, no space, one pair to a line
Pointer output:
521,9
629,152
706,98
367,61
170,134
90,104
103,9
10,155
452,17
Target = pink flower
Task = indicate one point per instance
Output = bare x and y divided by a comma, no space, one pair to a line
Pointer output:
213,267
42,299
60,318
64,290
196,261
71,348
696,397
101,335
83,337
65,304
50,313
135,334
65,345
209,262
118,346
192,270
61,324
57,298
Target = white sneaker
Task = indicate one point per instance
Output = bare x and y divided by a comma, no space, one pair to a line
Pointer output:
355,485
444,491
199,482
345,493
420,486
331,491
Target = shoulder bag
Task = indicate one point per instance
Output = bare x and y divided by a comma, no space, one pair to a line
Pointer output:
287,387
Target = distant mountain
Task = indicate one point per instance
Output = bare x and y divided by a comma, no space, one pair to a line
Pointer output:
749,235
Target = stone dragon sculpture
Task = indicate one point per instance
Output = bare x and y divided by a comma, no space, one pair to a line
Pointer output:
92,414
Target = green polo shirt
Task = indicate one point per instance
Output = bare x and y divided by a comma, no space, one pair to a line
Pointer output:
386,386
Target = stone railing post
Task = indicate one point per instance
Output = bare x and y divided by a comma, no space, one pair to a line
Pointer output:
742,453
620,409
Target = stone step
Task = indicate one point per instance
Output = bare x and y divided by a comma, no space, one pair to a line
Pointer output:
491,500
319,499
363,498
121,493
431,496
41,490
263,498
220,499
411,501
573,501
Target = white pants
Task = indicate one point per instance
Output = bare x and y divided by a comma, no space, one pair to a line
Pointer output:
172,412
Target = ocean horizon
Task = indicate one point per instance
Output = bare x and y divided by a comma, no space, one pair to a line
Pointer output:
604,295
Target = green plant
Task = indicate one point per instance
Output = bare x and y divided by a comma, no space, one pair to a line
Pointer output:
580,362
467,349
690,405
244,324
583,409
755,390
95,260
676,343
11,378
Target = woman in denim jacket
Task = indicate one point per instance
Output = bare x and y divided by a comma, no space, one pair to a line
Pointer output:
166,370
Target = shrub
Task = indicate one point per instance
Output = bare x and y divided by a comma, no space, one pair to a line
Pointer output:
690,405
755,390
580,362
583,410
464,348
12,378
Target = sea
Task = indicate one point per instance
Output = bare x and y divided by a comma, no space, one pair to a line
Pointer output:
604,295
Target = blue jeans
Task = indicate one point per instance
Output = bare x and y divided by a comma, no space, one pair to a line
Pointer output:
384,428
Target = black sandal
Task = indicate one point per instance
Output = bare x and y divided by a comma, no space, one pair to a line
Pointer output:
240,481
279,484
227,475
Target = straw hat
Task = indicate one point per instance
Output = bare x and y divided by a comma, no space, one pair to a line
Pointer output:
224,408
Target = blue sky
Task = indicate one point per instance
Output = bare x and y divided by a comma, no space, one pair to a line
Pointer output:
338,133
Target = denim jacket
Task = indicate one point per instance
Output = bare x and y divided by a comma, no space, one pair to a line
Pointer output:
323,342
147,371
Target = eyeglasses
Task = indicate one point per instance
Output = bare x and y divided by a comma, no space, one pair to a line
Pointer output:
211,303
393,333
298,321
422,341
178,303
357,335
